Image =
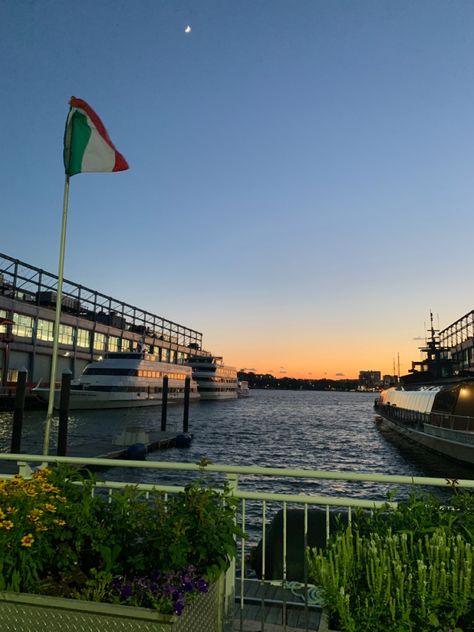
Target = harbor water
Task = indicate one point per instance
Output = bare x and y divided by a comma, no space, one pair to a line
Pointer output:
292,429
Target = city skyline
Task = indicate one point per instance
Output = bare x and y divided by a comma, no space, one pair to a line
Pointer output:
300,186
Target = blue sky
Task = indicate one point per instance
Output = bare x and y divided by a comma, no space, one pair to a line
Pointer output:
301,172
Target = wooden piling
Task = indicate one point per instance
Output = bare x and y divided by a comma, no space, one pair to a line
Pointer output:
164,404
187,388
64,413
18,411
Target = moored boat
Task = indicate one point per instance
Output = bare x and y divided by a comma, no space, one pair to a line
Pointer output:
123,380
243,389
215,380
433,405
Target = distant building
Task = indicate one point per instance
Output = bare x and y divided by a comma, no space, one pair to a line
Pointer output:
389,380
370,380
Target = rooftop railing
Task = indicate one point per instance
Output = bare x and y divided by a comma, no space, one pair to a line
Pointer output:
23,282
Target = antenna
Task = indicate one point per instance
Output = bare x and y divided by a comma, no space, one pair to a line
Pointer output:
398,356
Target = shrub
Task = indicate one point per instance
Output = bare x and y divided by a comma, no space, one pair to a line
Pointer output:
57,537
399,571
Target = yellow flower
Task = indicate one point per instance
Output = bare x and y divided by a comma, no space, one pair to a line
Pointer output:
2,515
42,473
40,527
60,522
30,490
60,499
27,540
6,524
11,510
50,507
34,515
47,487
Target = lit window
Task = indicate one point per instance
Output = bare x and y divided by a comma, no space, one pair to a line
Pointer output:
65,335
83,339
3,328
99,341
113,343
45,330
23,326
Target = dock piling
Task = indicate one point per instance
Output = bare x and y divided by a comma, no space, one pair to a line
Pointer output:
164,404
18,411
187,388
64,413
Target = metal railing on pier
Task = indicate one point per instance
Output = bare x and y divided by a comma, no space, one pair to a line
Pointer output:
268,593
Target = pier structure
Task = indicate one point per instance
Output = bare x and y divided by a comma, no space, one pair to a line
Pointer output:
92,324
459,339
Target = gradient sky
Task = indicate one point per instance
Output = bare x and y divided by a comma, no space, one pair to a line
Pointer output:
301,177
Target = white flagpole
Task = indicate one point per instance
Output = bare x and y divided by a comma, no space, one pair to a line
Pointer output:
52,379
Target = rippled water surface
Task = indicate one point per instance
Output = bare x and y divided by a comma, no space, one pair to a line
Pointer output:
295,429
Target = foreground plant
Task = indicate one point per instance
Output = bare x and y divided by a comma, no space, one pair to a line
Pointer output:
59,538
395,582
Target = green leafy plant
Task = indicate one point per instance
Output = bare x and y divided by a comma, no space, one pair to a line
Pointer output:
399,571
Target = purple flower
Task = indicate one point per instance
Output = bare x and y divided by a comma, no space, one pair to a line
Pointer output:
126,591
178,607
202,585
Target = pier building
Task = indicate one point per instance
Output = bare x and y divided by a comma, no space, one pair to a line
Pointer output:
92,324
457,340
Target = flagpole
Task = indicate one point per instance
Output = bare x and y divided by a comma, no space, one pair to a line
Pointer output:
52,379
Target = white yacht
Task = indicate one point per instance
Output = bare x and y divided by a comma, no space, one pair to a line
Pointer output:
123,380
215,381
243,389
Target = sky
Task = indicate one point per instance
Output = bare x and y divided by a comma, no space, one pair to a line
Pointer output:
301,177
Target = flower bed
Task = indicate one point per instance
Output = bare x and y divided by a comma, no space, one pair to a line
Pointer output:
30,613
150,561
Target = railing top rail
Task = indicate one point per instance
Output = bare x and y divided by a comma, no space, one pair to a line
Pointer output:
242,469
299,499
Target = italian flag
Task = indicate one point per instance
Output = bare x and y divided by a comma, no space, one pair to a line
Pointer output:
87,145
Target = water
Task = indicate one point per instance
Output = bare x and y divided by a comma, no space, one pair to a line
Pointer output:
294,429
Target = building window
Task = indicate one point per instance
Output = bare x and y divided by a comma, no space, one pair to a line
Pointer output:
113,343
125,344
99,341
83,338
65,335
12,375
23,326
45,330
3,328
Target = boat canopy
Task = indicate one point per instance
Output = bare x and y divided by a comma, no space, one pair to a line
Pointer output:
420,401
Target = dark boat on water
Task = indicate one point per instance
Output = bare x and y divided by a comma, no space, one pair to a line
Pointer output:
434,404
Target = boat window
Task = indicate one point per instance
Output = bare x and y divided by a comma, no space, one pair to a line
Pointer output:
445,401
105,371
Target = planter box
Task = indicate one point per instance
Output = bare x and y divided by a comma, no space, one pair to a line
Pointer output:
30,613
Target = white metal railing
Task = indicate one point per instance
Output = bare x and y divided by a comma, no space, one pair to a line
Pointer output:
252,599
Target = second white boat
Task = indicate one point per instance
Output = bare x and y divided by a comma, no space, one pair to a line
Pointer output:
123,380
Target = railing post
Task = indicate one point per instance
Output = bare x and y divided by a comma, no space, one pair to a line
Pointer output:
164,403
64,413
18,411
229,590
187,387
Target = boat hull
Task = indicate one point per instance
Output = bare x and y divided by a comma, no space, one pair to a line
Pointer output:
217,395
92,400
455,444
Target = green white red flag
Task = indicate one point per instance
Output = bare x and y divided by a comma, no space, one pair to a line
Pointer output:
87,145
